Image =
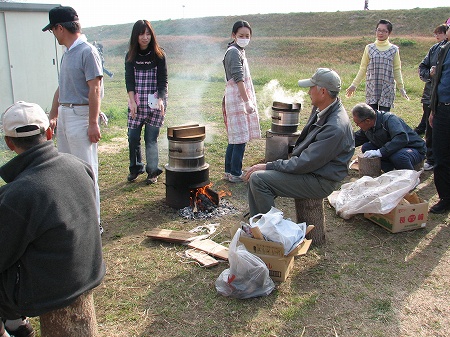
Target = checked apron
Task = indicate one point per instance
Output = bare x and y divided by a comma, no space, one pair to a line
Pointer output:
241,127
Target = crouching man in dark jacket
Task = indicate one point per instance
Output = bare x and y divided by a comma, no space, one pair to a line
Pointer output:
51,251
387,136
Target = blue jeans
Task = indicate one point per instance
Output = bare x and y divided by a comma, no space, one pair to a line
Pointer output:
151,149
441,151
233,158
403,159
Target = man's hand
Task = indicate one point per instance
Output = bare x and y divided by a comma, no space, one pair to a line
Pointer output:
257,167
53,122
372,154
430,118
94,133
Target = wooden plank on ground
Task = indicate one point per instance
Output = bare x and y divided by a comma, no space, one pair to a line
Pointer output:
171,235
211,247
201,257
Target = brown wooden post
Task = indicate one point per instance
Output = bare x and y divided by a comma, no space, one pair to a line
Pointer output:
312,212
77,319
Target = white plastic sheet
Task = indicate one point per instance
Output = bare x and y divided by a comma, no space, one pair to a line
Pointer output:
374,195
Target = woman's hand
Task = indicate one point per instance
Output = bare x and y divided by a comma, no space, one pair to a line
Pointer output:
133,108
161,106
350,91
249,107
403,93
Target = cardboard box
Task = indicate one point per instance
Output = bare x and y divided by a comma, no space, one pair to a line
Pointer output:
404,217
263,247
272,253
279,267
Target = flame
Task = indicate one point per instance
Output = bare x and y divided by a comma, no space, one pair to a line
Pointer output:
223,193
202,190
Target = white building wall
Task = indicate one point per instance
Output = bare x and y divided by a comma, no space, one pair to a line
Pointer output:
29,58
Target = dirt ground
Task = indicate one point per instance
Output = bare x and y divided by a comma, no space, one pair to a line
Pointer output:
364,281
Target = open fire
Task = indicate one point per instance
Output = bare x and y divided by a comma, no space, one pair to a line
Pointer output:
207,204
206,199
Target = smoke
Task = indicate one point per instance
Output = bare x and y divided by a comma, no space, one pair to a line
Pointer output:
274,92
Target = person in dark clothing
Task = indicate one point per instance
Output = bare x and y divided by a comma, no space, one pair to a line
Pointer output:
51,255
387,136
146,84
440,122
426,72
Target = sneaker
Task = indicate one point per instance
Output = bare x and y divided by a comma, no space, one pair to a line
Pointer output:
440,207
235,179
25,330
152,178
428,167
226,176
133,176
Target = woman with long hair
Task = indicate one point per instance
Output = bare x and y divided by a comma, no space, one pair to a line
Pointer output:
146,84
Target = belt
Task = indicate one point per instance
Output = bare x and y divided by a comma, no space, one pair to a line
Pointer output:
443,104
71,105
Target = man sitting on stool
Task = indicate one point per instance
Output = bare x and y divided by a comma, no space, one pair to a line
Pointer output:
321,154
387,136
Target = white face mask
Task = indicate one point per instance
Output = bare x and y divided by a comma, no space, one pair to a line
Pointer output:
242,42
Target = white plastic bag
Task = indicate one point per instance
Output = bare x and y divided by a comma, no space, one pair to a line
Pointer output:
276,229
374,195
248,275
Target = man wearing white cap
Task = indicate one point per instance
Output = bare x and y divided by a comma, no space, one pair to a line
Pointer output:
321,155
51,252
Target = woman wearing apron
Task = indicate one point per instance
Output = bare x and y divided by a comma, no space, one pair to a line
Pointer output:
146,83
239,102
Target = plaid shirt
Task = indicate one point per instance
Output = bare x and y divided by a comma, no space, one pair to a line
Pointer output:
380,84
145,84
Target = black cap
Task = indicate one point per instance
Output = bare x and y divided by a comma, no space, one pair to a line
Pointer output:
60,14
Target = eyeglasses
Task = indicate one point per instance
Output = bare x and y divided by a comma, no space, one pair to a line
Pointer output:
51,29
383,31
357,123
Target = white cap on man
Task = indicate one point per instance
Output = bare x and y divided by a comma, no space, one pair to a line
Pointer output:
24,119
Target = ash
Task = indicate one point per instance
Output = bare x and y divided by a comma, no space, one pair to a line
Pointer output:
224,208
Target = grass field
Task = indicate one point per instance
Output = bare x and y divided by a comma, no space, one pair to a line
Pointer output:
363,282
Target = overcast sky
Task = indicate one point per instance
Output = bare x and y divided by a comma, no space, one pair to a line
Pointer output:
107,12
